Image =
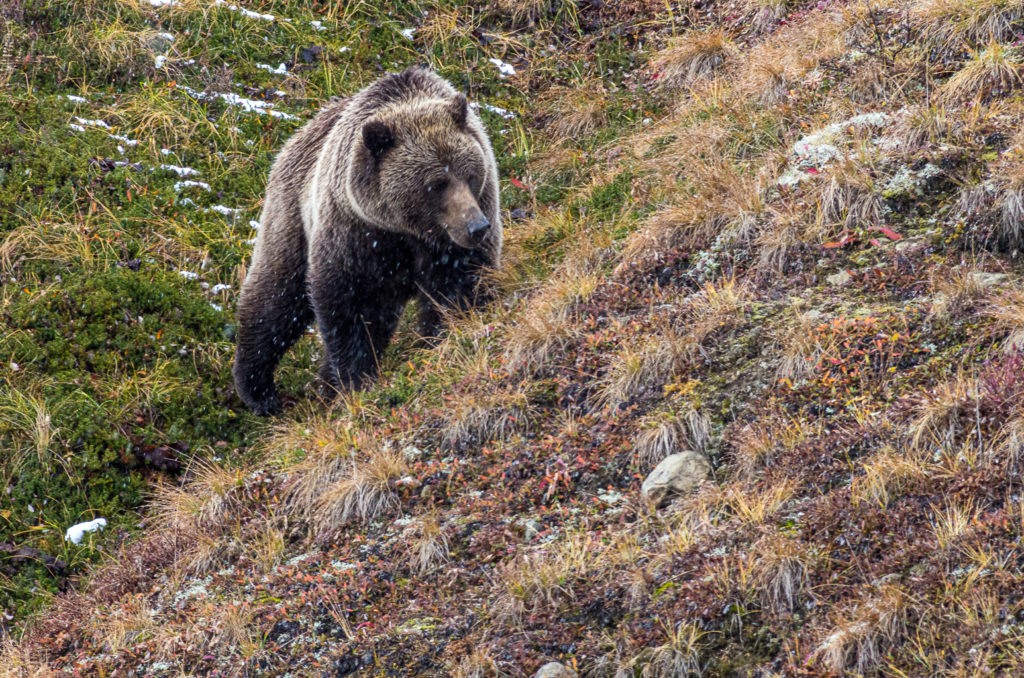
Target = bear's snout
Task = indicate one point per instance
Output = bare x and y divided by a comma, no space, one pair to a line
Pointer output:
478,228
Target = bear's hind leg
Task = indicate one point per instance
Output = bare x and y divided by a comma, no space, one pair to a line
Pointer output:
272,315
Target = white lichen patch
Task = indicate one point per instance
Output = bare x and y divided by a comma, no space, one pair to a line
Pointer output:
818,149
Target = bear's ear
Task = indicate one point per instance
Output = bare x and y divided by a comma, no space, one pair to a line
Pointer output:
459,109
378,138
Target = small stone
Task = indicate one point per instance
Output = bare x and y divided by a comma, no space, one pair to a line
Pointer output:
676,474
839,279
555,670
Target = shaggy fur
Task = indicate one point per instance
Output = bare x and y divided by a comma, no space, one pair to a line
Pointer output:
387,195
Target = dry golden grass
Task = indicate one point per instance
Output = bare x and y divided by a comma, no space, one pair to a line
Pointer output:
956,24
955,292
922,126
779,572
847,197
781,237
886,474
478,418
668,433
574,111
16,661
133,621
545,326
344,476
992,72
952,521
208,501
765,14
800,349
945,413
430,547
477,664
997,204
545,578
363,493
680,655
754,506
865,633
1008,311
758,445
692,57
642,366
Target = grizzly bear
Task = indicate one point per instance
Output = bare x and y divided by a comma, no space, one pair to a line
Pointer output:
384,196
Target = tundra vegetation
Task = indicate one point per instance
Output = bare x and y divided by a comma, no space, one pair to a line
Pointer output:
781,234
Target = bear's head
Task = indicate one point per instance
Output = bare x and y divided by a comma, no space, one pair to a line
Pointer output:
420,169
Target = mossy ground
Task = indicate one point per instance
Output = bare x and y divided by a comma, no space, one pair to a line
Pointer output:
708,246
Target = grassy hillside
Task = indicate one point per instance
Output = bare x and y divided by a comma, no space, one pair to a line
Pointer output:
782,235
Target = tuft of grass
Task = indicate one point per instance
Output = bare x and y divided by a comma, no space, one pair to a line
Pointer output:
848,197
886,474
995,208
952,521
430,548
861,639
991,72
956,292
779,573
692,57
946,413
956,24
666,434
477,419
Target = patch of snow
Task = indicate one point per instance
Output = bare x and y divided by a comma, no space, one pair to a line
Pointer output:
254,224
92,123
76,532
165,151
166,36
318,25
188,275
342,50
181,171
226,211
159,62
493,109
126,140
164,3
77,128
407,33
504,69
77,99
220,287
247,105
280,70
188,182
246,12
216,307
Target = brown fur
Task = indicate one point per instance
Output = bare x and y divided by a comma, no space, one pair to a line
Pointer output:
370,204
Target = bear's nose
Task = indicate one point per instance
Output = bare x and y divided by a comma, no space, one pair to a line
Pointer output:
478,227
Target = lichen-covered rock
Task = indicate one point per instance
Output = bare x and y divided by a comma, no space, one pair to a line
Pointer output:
555,670
676,474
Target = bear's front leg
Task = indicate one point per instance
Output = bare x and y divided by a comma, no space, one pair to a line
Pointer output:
448,280
273,311
356,317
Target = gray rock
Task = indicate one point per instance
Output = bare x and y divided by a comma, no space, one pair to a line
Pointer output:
555,670
839,279
676,474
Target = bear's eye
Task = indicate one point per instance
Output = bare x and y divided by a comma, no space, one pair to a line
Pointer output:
437,186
